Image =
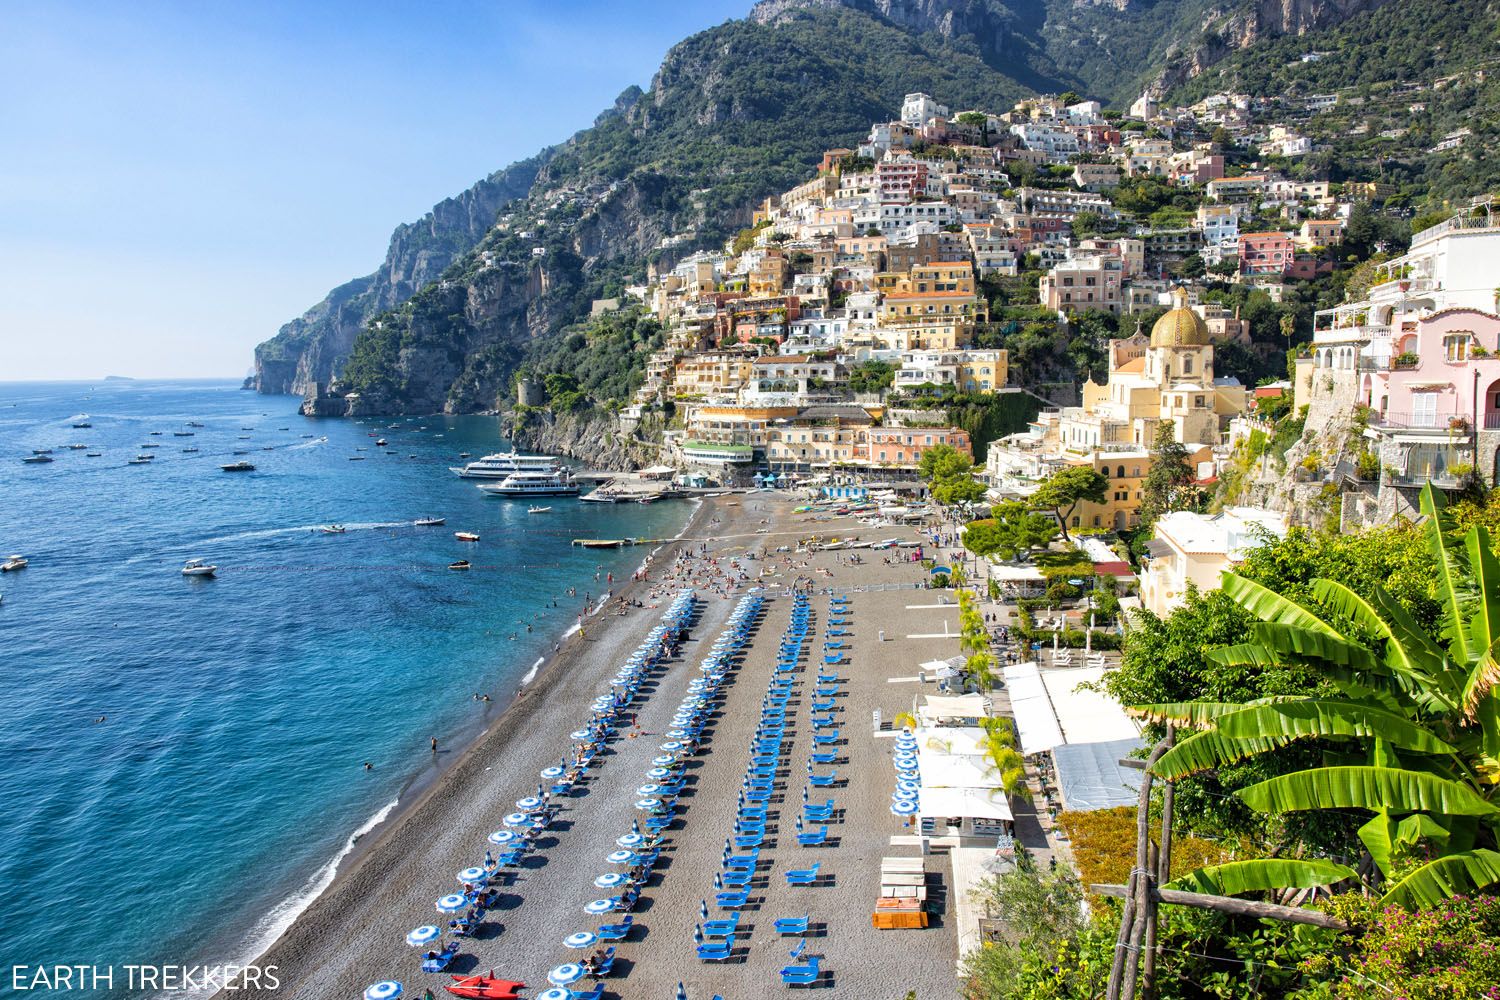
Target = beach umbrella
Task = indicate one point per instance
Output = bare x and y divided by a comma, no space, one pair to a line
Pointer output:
620,857
904,808
663,761
552,772
387,990
658,773
648,790
426,934
452,903
908,786
609,880
630,840
517,819
475,874
502,837
579,734
580,940
563,975
598,906
681,992
528,803
677,734
646,805
555,993
671,746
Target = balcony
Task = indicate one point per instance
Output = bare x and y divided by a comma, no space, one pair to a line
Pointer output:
1458,223
1455,424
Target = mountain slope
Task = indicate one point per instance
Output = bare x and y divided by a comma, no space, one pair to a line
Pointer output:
735,113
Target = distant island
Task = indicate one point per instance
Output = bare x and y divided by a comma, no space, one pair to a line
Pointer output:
118,378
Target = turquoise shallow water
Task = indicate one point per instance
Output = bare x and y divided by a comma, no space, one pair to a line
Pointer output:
239,711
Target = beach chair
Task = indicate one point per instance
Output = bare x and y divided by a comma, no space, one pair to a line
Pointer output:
443,960
822,780
825,691
616,932
750,839
732,900
826,738
824,758
722,928
737,878
606,964
597,993
802,975
817,839
743,863
716,951
827,704
792,925
803,876
818,814
838,631
833,659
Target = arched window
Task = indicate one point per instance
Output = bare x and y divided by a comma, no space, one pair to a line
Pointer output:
1120,472
1456,345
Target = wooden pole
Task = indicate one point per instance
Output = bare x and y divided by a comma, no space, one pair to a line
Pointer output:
1127,943
1230,905
1162,867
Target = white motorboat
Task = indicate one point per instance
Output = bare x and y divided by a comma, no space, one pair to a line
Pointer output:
429,522
598,496
466,536
333,529
238,467
198,567
537,510
502,464
37,459
532,484
13,563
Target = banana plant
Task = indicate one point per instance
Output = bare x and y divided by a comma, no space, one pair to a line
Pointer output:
1414,726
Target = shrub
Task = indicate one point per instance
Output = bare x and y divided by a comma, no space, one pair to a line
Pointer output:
1103,843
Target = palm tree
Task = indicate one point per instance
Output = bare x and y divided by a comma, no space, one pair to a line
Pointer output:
1003,758
1415,726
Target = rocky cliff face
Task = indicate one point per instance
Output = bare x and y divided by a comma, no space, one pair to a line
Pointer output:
592,436
309,348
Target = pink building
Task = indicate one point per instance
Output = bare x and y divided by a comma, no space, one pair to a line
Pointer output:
1445,374
1265,253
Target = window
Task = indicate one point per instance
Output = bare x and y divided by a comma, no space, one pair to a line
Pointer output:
1120,472
1456,345
1187,365
1424,409
1104,472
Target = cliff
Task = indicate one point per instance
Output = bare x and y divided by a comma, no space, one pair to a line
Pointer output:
591,436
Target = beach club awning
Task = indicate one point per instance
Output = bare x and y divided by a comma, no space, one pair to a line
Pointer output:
944,770
971,803
658,470
1016,574
963,740
1036,723
1089,775
969,706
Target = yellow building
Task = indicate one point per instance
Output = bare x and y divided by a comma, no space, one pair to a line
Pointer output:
928,290
712,373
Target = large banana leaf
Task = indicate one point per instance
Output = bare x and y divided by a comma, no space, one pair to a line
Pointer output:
1309,644
1238,877
1379,789
1440,880
1329,717
1379,837
1247,654
1208,750
1184,713
1269,606
1451,588
1409,652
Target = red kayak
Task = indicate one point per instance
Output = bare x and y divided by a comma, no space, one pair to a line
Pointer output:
484,987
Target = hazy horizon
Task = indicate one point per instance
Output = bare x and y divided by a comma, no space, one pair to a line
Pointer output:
186,180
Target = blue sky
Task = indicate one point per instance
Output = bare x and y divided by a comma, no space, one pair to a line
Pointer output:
179,179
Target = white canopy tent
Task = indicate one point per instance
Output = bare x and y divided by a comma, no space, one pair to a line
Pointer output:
1087,716
939,707
961,740
1036,722
971,803
1016,574
941,770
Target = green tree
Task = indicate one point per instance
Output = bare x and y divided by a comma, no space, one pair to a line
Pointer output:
941,461
958,489
1013,529
1414,727
1168,483
1065,489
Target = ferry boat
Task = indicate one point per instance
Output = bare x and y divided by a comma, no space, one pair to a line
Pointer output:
503,463
532,484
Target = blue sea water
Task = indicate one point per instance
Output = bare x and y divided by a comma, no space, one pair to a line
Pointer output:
238,711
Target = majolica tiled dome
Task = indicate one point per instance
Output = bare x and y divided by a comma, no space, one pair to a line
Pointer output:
1179,326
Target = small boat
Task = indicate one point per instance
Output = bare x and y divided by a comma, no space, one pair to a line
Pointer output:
156,433
198,567
466,536
41,451
77,447
194,423
537,510
356,458
244,437
84,425
37,459
150,444
649,498
380,442
307,435
333,529
141,460
189,449
241,451
269,447
93,454
461,564
598,496
429,522
463,454
13,563
238,467
600,543
182,434
484,987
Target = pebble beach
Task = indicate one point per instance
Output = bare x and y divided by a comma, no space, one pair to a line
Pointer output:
353,934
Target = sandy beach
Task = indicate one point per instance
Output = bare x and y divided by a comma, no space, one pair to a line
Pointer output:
353,934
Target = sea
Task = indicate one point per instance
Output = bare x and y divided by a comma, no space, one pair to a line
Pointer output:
182,759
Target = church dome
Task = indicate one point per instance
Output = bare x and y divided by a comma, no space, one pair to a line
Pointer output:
1179,326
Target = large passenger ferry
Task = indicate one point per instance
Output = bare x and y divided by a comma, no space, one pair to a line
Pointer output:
532,484
503,463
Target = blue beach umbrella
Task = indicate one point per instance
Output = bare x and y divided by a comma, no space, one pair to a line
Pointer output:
425,934
663,761
474,874
528,803
565,974
609,880
517,819
677,734
658,773
555,993
620,857
387,990
552,772
580,940
579,734
646,805
598,906
671,745
905,809
630,840
908,786
502,837
648,790
452,903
